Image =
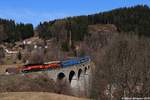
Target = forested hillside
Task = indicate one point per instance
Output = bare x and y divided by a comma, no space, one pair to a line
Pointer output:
134,20
11,32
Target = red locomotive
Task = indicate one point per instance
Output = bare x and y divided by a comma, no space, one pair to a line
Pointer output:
41,67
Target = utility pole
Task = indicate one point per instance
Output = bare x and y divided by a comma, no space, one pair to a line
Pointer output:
70,39
69,34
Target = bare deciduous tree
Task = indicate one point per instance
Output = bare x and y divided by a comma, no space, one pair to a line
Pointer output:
2,54
123,63
37,57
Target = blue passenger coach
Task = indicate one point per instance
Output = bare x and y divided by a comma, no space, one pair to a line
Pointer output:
75,61
70,62
84,59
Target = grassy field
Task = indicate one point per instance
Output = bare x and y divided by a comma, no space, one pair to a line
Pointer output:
36,96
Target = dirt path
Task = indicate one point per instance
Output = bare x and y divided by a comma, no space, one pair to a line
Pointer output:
36,96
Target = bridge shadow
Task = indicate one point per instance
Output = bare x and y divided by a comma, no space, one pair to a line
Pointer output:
62,85
61,76
71,75
79,73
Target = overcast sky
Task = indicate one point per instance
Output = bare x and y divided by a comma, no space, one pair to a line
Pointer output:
36,11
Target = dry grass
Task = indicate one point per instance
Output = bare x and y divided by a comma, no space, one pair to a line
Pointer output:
19,83
102,28
36,96
4,67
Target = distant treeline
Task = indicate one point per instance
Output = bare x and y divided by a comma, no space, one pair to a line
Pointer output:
11,32
134,20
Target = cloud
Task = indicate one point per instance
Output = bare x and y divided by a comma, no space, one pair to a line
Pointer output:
29,16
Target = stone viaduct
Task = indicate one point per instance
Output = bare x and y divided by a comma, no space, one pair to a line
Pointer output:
77,76
72,72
